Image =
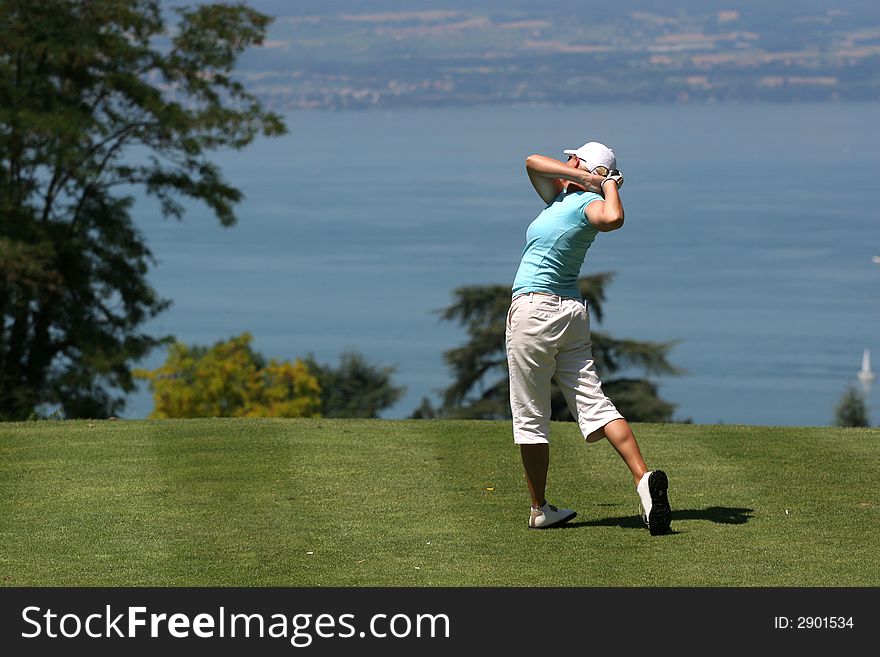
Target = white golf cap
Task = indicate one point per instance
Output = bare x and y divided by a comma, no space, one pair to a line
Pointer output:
595,154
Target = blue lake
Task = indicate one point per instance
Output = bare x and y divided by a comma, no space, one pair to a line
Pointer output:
749,235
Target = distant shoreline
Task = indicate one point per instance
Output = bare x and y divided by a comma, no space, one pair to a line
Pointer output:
562,105
343,55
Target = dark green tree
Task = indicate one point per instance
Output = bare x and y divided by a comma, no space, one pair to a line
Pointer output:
480,387
851,411
425,411
354,389
96,99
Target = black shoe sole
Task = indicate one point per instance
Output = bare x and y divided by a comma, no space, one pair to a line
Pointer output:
558,522
661,515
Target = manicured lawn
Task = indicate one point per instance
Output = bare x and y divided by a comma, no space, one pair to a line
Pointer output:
427,503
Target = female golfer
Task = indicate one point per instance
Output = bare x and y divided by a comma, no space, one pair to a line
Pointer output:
548,329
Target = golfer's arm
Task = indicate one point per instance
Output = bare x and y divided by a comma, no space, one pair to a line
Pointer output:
546,175
606,215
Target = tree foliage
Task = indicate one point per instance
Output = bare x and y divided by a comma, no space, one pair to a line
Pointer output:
96,99
851,411
425,411
480,387
230,379
356,388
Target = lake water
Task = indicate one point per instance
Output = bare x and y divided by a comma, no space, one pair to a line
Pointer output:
749,235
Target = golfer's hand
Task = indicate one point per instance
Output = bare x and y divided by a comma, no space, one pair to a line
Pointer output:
617,178
594,182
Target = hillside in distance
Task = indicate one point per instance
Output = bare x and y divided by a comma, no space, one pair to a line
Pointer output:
386,53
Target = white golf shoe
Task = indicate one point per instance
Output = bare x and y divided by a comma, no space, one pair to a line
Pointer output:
654,502
549,516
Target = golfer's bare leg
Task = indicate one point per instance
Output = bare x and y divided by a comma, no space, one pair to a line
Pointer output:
536,461
622,439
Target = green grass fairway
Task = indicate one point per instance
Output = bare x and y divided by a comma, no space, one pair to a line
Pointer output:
427,503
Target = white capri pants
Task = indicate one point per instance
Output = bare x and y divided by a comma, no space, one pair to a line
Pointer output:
549,336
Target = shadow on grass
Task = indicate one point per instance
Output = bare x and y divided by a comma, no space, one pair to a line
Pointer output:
719,514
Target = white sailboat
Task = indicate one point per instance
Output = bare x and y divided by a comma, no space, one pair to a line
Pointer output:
866,375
